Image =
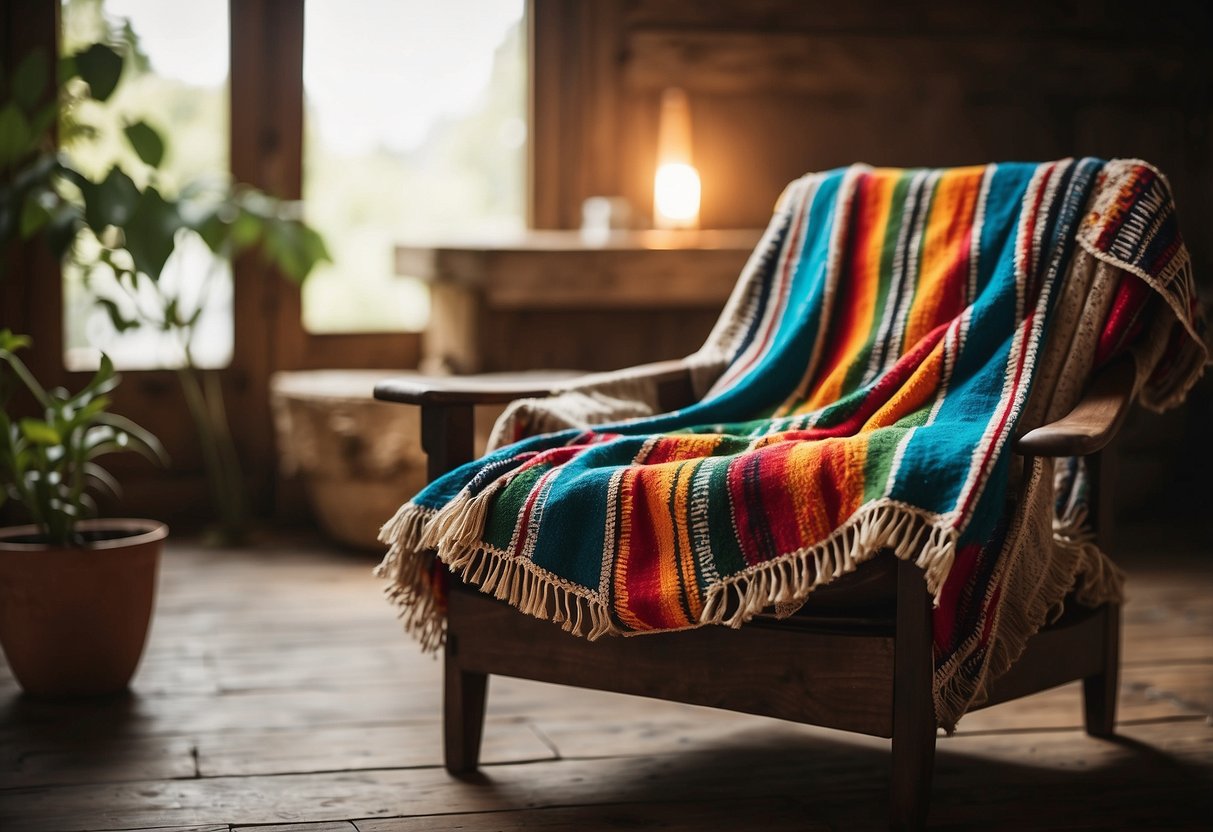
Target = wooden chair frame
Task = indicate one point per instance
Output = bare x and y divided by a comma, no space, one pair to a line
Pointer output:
870,674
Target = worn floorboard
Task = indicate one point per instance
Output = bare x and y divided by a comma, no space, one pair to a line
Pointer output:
277,693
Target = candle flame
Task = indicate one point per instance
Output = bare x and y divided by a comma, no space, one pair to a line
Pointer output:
676,192
676,186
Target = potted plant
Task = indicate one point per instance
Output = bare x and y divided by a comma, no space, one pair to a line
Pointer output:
125,224
76,593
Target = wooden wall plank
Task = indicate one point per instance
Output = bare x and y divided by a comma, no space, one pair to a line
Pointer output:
886,65
1171,21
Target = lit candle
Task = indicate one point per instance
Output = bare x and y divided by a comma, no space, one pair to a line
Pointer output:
676,188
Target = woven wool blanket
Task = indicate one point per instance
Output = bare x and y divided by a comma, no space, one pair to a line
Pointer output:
890,336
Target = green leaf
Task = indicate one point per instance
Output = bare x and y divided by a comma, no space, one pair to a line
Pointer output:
214,232
142,440
147,142
171,321
11,342
29,79
44,119
16,138
151,233
246,229
74,176
95,405
105,371
102,479
315,249
120,321
102,382
207,221
39,433
37,173
100,67
61,231
294,248
113,201
33,217
67,68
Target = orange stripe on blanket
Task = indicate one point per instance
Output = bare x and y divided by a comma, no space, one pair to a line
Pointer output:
652,579
917,390
856,303
801,462
814,466
807,463
680,447
657,485
944,269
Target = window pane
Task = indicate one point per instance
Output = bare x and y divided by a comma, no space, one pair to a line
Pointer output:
415,128
177,82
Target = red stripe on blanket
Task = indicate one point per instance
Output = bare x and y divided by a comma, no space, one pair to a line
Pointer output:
1121,323
778,508
644,567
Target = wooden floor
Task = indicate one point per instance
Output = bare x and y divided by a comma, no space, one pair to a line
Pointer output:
278,692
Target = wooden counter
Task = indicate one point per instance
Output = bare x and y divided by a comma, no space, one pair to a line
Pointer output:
560,299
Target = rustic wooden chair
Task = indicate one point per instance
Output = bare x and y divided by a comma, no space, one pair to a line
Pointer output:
858,656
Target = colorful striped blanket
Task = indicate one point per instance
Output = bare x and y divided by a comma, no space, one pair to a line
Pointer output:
888,339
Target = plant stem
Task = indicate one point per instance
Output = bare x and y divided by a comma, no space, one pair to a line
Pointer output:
226,503
231,515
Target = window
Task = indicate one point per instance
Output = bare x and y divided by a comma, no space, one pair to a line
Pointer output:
415,127
177,81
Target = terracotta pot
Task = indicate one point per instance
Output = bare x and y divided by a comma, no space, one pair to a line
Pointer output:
73,621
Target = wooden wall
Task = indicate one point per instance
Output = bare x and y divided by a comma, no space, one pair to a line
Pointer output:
781,87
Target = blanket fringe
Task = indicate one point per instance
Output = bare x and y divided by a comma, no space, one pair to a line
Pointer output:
410,583
416,534
786,581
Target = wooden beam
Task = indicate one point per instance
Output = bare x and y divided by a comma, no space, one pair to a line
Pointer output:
840,64
31,286
573,108
267,152
831,680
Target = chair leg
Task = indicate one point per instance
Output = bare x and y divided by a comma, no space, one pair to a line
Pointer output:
463,699
914,723
1099,692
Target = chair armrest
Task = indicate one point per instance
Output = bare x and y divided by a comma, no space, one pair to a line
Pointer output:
1093,421
494,388
447,401
673,382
